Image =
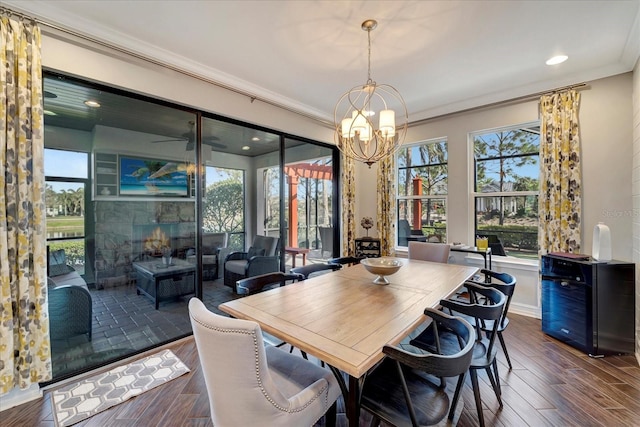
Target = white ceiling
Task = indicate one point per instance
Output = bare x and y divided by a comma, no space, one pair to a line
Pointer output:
442,56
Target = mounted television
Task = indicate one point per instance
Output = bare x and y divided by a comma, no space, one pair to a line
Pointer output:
151,177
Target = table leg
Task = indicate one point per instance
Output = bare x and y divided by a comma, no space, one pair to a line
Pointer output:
304,258
155,298
353,401
351,395
293,260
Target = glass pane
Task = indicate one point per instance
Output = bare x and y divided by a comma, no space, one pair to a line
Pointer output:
514,220
507,160
309,198
422,169
427,217
63,163
223,204
137,257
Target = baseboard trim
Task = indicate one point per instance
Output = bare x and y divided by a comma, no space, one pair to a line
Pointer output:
525,310
17,397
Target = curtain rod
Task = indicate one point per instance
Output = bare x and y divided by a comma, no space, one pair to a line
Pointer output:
524,98
151,60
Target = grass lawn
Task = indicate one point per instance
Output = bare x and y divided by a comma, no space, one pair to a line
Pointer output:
65,223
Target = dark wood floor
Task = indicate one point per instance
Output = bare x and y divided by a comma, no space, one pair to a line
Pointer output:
551,384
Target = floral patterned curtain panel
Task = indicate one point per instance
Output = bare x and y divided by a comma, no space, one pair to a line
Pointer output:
348,205
386,215
560,204
25,356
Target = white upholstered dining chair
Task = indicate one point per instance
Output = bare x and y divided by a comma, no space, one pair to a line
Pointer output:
249,384
425,251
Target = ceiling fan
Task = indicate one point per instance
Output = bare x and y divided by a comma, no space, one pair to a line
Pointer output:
190,138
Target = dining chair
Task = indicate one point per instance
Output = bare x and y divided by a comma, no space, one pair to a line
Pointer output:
425,251
398,391
484,352
505,283
255,284
309,269
250,384
346,260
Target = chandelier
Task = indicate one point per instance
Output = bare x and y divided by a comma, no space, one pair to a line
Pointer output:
365,119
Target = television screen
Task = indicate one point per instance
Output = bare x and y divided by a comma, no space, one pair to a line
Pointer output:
149,177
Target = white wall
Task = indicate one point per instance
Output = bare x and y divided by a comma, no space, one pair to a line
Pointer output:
606,139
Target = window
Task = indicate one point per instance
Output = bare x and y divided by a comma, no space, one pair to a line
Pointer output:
223,204
422,192
506,171
66,175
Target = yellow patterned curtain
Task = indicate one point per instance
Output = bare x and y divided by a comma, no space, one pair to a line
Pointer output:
386,215
25,355
347,176
560,204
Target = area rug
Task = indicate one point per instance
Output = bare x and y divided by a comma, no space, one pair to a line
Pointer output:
79,401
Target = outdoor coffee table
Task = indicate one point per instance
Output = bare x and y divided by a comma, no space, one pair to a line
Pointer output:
161,283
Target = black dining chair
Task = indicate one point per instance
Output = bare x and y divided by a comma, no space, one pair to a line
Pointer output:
346,260
505,283
307,270
484,352
255,284
398,391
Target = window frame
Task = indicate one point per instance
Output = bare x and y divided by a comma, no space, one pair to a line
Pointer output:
422,197
474,195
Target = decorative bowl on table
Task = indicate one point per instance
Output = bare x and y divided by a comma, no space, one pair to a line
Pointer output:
381,267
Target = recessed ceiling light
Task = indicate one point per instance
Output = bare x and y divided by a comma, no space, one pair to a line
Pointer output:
91,103
246,147
255,138
49,113
557,60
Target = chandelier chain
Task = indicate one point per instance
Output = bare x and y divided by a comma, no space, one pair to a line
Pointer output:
369,56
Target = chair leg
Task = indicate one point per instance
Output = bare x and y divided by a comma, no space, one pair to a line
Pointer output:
456,396
497,376
375,421
504,349
476,394
330,417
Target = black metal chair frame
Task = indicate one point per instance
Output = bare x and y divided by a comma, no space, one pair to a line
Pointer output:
507,286
346,260
398,389
309,269
485,351
255,284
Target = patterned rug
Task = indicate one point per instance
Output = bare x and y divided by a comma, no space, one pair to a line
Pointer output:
79,401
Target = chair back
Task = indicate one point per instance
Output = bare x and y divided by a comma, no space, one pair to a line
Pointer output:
491,309
249,384
234,366
267,243
346,260
506,283
425,251
255,284
326,239
438,363
309,269
213,241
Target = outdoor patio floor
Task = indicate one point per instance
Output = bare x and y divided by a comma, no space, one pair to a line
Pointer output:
125,323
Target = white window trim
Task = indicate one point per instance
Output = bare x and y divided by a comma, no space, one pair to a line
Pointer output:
497,260
403,249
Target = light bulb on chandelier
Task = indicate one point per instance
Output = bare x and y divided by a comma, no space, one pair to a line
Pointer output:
365,117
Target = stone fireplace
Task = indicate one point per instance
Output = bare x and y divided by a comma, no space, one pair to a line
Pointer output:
129,231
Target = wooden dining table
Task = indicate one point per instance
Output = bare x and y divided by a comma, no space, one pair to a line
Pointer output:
344,319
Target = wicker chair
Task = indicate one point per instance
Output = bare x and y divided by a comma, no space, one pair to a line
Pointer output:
70,312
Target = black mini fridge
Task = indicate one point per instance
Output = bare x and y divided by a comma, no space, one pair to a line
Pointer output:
589,305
